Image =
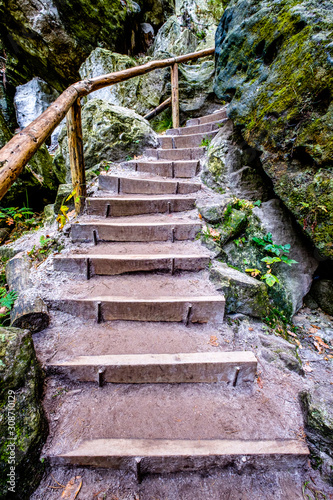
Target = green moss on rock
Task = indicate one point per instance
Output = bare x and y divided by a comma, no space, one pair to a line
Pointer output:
275,67
21,385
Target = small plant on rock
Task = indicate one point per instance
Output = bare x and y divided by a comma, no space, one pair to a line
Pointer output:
46,247
206,142
275,254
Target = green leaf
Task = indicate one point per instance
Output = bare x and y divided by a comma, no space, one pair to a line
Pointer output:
273,249
288,261
270,279
271,260
259,241
8,300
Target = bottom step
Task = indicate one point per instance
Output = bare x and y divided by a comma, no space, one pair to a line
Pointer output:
163,456
234,368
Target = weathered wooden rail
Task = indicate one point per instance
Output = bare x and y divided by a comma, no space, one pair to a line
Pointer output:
18,151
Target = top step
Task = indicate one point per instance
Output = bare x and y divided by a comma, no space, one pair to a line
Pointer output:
215,117
196,129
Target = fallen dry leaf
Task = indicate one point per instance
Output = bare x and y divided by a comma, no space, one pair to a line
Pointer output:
319,348
259,382
213,341
321,342
299,344
316,327
307,368
312,330
72,488
250,329
292,334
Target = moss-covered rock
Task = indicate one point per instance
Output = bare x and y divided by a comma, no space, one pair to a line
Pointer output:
109,133
318,412
274,63
23,427
243,294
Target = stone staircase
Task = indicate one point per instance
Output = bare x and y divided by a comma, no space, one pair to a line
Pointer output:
140,274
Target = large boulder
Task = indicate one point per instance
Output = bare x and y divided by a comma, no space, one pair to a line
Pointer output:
23,427
141,94
110,133
274,64
295,280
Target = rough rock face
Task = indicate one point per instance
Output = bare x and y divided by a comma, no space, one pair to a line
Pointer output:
21,382
274,64
31,100
110,133
52,38
318,409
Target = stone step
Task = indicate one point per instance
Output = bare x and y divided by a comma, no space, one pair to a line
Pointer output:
214,117
201,309
185,141
136,185
109,265
174,169
147,230
196,129
176,154
234,368
144,456
122,205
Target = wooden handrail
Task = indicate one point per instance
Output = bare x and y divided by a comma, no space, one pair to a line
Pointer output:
18,151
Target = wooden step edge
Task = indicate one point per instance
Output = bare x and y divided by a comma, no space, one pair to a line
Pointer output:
108,265
187,310
233,368
141,198
148,369
143,456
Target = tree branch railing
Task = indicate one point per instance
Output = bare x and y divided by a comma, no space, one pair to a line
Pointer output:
20,149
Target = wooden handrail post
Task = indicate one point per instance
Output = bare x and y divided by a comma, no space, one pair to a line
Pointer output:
175,95
75,147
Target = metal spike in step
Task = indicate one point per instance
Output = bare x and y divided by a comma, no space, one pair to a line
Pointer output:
166,456
204,309
201,367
